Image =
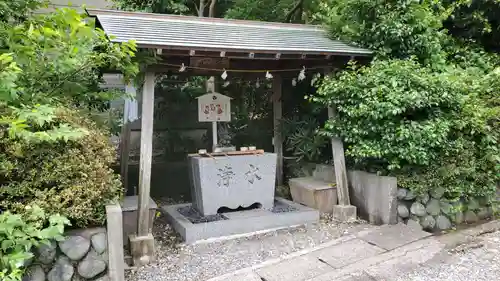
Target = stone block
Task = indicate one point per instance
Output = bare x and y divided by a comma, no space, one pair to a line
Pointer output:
392,236
344,213
375,196
297,269
232,181
114,225
129,208
314,193
142,249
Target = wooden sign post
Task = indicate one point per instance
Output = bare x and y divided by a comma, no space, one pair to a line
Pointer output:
214,107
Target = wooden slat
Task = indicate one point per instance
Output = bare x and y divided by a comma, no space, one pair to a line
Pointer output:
339,165
229,153
146,153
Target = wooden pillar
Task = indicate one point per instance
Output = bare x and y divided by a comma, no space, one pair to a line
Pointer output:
277,115
339,165
146,153
142,243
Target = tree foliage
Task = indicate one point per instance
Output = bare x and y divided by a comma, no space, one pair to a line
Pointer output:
52,154
478,21
424,109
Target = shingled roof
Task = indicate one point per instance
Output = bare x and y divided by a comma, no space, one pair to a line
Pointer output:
210,34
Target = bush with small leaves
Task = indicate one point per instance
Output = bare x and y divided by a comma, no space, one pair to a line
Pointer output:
70,176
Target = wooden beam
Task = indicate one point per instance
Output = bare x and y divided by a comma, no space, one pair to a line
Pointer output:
339,165
277,115
146,153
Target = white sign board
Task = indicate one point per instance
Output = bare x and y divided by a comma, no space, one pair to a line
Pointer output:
214,107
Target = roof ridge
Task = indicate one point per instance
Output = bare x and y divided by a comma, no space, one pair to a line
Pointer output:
202,20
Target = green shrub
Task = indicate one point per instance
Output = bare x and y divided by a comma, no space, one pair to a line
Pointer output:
71,177
430,129
20,233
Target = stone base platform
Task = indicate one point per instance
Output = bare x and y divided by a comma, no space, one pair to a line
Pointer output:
193,227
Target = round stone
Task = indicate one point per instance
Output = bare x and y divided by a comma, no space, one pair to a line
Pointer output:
458,218
428,222
403,211
470,217
75,247
414,224
61,271
473,205
47,252
104,278
91,266
424,198
34,273
417,209
402,193
400,219
410,195
443,223
433,208
99,242
437,192
484,213
446,208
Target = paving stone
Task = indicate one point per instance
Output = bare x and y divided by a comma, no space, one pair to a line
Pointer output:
392,236
402,261
395,262
346,253
358,276
243,277
298,269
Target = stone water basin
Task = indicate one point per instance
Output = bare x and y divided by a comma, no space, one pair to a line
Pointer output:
232,181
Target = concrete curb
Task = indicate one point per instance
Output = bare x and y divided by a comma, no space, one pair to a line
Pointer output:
460,237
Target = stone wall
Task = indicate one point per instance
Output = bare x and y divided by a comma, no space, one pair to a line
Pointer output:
81,256
432,212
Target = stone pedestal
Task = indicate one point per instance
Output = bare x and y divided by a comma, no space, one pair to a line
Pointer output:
232,181
142,249
129,209
344,213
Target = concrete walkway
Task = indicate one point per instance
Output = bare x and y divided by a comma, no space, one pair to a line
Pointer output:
379,254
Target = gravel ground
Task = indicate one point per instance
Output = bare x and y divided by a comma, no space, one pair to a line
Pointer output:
476,261
179,262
